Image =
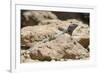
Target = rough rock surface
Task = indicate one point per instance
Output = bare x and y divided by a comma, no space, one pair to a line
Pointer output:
30,18
30,35
81,33
58,49
44,37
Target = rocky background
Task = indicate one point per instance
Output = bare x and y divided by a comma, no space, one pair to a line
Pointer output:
54,36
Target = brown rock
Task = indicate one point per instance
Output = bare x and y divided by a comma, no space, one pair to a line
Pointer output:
30,18
55,40
63,47
33,34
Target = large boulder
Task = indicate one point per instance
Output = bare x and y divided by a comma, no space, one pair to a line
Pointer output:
30,18
63,47
30,35
54,39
